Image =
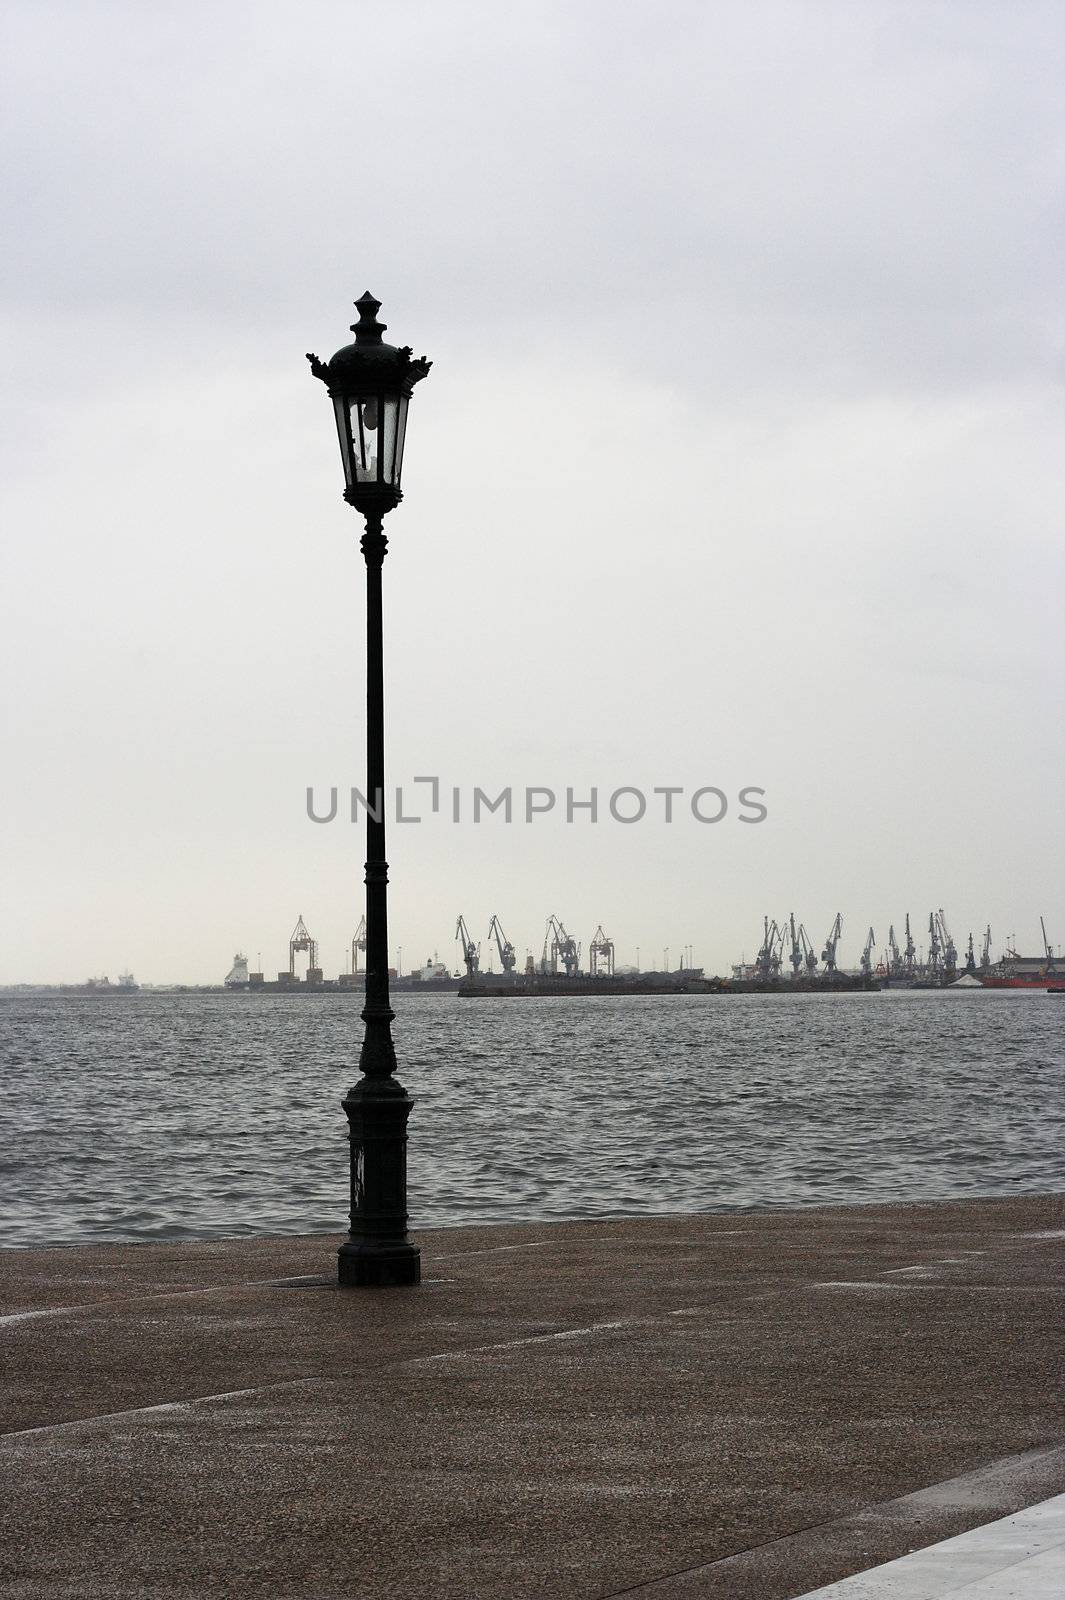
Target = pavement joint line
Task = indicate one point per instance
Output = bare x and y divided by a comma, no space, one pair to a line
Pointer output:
29,1316
863,1513
864,1283
1005,1243
536,1338
496,1250
598,1238
303,1280
942,1288
941,1261
159,1294
313,1280
321,1377
165,1405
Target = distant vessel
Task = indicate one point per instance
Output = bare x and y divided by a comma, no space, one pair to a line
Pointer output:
1023,972
126,984
556,985
238,973
825,983
434,975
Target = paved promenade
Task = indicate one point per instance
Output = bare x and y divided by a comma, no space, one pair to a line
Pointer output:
736,1405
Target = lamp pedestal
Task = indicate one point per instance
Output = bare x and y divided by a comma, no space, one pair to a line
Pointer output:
377,1251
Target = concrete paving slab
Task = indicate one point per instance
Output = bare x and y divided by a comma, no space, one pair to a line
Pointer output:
675,1406
1020,1555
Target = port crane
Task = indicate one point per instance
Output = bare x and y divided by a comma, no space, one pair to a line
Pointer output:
828,954
933,945
471,953
767,961
866,962
801,952
795,952
507,958
559,946
910,952
301,940
894,960
1046,947
950,953
601,954
358,942
970,955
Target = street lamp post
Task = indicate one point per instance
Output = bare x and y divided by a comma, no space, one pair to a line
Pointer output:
370,385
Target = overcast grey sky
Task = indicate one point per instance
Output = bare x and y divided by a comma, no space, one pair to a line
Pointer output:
740,463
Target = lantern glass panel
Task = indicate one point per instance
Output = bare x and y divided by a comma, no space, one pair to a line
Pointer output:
389,418
341,409
401,429
365,436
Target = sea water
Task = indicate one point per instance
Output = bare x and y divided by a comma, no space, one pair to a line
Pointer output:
194,1116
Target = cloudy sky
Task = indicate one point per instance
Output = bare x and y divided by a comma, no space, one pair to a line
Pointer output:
740,465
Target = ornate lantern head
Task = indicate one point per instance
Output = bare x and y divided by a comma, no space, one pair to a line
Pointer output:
370,385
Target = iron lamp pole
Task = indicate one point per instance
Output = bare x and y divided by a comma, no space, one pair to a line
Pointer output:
370,384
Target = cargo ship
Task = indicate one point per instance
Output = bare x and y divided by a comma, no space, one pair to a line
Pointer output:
528,985
1024,972
96,987
825,983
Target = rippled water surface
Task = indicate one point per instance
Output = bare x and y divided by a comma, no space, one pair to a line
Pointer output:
170,1117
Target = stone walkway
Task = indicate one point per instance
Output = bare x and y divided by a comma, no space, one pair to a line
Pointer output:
728,1405
1015,1557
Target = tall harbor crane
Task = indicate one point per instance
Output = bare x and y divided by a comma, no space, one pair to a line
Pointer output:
471,953
894,960
1046,946
301,940
866,962
910,951
828,954
801,952
950,953
795,951
601,954
358,942
507,958
934,947
767,961
558,946
970,955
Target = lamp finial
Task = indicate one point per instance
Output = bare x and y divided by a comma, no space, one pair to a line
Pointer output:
368,330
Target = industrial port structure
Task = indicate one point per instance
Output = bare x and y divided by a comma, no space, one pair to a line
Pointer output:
788,958
899,966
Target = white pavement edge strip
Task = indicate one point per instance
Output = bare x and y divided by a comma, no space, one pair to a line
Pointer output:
1007,1480
1018,1550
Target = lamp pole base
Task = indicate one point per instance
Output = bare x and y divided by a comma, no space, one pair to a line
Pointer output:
367,1266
